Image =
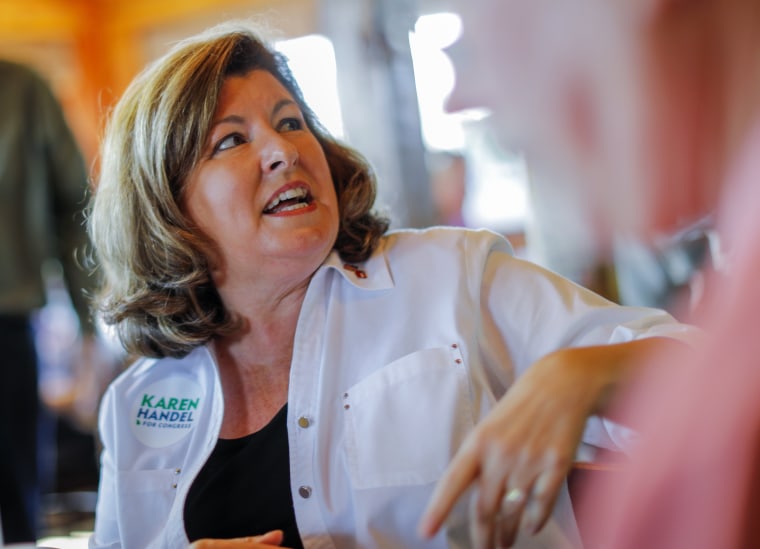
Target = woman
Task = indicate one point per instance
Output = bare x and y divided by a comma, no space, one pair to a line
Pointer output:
655,106
305,372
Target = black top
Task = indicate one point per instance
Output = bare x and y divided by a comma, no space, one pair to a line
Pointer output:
244,488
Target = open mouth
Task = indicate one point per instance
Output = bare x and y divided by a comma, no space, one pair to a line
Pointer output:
289,200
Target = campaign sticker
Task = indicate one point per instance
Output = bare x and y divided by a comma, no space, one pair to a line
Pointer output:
166,411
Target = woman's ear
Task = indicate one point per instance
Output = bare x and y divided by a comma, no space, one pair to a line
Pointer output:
644,12
579,113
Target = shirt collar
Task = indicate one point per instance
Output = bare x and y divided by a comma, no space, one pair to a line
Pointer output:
372,274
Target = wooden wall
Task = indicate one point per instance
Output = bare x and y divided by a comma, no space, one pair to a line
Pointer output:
90,49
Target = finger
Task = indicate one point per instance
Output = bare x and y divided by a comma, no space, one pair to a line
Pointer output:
273,537
461,472
269,540
503,473
508,519
542,499
505,479
513,500
481,531
518,492
488,502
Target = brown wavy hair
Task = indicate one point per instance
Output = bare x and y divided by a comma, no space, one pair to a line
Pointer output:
157,289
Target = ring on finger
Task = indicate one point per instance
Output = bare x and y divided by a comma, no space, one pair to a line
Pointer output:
515,495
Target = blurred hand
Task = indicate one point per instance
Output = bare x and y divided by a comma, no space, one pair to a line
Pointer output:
519,455
266,541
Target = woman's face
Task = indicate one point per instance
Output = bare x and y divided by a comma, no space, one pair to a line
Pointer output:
262,190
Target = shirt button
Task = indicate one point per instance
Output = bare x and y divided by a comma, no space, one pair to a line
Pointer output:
303,422
304,492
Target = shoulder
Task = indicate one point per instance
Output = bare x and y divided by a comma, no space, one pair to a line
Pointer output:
19,78
442,258
13,71
444,240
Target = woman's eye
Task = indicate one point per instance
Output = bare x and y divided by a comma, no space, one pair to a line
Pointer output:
232,140
290,124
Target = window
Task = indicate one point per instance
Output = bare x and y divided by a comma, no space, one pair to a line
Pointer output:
312,60
496,195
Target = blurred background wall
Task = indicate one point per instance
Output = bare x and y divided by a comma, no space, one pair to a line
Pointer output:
90,49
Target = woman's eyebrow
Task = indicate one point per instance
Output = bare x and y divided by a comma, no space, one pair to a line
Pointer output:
237,119
232,118
281,104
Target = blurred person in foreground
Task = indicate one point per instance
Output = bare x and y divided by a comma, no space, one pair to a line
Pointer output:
43,184
654,106
307,376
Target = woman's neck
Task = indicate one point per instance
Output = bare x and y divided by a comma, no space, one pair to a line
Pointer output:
254,363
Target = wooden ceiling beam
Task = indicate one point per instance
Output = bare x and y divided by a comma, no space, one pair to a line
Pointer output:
56,20
141,14
38,21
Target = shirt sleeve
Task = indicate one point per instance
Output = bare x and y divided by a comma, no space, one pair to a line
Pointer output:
528,312
536,311
106,532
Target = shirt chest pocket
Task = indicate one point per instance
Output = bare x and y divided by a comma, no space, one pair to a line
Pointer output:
404,422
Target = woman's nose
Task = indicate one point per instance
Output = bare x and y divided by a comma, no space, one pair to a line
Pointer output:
279,154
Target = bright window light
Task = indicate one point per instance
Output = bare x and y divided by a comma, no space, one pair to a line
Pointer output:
312,60
498,193
439,30
496,182
434,77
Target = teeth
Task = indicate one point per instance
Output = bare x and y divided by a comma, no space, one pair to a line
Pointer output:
298,192
296,206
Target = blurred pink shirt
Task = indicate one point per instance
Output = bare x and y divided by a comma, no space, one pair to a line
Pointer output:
695,480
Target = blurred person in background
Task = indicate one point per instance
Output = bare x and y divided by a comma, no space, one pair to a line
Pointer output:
43,185
543,90
653,106
306,375
448,186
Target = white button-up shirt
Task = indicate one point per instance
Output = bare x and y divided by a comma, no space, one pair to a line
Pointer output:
394,361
